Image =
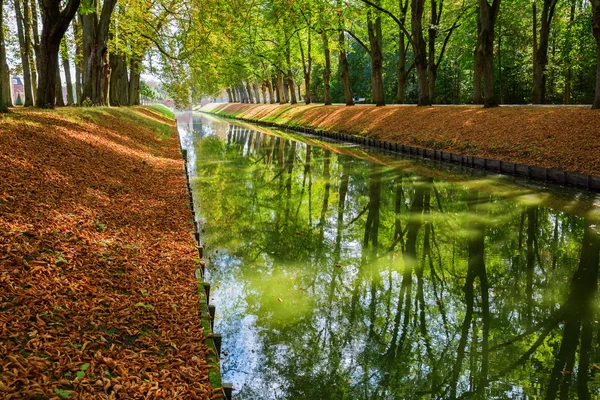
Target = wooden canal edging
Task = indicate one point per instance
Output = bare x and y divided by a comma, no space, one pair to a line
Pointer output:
206,310
552,175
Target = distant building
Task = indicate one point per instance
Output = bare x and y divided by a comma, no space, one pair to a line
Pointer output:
17,88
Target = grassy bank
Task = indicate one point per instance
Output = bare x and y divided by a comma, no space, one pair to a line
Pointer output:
551,137
97,292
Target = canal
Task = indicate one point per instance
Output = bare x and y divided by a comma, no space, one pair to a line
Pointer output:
343,273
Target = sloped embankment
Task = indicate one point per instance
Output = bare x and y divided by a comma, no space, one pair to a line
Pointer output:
97,292
550,137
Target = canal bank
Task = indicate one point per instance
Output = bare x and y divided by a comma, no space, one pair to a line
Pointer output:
555,144
97,253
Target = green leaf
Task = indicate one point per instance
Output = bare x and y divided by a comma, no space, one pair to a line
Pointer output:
62,393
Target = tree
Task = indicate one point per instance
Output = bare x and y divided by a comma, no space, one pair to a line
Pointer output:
96,68
23,29
541,50
55,23
596,32
488,14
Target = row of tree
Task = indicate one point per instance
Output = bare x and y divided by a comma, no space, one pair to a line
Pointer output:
106,42
436,51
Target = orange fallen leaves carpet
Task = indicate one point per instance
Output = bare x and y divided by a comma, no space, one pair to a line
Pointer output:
97,293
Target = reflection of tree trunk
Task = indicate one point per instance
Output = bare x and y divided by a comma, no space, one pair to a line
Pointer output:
531,231
372,224
327,179
579,310
288,185
476,268
342,203
398,238
410,260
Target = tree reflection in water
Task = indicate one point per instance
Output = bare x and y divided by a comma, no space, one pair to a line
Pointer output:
341,278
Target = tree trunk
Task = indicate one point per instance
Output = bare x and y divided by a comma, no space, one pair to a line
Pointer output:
485,47
596,32
256,93
67,68
119,84
376,43
432,66
103,90
228,95
134,82
326,73
270,88
420,50
95,36
55,23
3,71
22,25
344,67
60,100
290,82
477,74
249,90
500,82
569,74
401,67
263,88
78,56
541,53
282,99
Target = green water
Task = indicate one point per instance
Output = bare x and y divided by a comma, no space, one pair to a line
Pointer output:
343,274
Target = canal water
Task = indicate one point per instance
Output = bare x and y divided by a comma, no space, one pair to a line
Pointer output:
342,273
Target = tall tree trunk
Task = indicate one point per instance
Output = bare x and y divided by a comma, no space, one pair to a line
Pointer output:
119,84
60,100
104,84
420,50
95,35
249,90
307,68
28,18
280,94
432,66
256,94
22,25
477,75
55,23
500,82
78,56
541,53
326,70
290,82
3,70
67,68
263,88
345,70
596,31
270,89
488,14
376,44
568,45
401,67
134,81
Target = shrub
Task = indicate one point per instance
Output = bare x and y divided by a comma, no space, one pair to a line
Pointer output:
19,101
